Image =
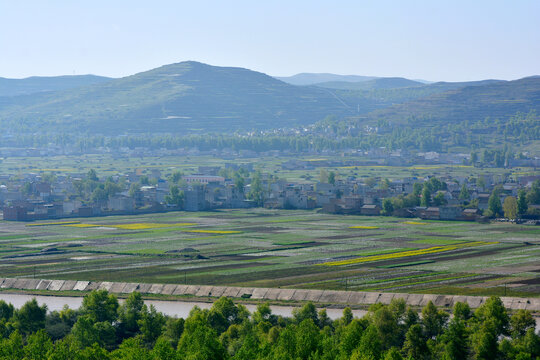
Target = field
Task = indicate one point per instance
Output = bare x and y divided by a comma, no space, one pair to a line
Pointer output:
270,248
106,165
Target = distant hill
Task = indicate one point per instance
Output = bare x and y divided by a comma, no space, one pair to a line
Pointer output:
187,96
191,97
37,84
379,83
472,102
316,78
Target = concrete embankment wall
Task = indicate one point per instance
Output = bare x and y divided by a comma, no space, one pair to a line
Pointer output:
270,294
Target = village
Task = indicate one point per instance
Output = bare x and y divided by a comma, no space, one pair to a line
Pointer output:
35,196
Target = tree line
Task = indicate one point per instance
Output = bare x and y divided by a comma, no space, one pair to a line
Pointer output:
104,329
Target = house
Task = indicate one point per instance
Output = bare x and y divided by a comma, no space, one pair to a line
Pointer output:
470,214
15,213
121,203
370,210
204,179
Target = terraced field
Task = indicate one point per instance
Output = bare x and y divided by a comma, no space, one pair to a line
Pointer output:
269,248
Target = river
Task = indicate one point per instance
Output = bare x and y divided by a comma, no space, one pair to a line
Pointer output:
170,308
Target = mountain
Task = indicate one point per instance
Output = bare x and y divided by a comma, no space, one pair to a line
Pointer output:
379,83
316,78
182,97
37,84
473,102
191,97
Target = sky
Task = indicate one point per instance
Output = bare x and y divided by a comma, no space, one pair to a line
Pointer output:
437,40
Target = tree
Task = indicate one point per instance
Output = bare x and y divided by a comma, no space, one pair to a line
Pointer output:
307,339
199,341
522,205
415,345
484,340
38,346
323,176
129,314
481,182
521,322
426,197
332,178
433,319
474,158
387,207
175,197
370,346
6,311
439,199
30,317
92,175
455,340
510,207
99,306
494,205
533,196
151,324
493,310
464,194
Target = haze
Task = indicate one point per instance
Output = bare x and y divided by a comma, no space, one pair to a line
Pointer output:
452,41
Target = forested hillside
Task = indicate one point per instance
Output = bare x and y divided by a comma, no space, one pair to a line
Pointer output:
104,329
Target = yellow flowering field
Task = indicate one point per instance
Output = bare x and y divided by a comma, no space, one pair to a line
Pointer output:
403,254
82,225
145,226
213,231
414,223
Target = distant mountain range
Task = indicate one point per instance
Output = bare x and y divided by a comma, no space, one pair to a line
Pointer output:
318,78
36,84
191,97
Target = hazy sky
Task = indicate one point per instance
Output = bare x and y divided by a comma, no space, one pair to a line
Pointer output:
433,39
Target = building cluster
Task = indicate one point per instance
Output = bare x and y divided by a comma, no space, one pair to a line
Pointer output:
36,197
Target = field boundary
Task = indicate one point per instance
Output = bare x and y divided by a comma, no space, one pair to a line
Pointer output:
270,294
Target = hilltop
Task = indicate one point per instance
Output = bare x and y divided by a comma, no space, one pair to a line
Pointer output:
180,97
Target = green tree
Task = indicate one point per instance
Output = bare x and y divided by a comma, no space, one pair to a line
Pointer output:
100,306
494,205
175,197
521,322
455,340
30,317
39,344
464,194
332,178
426,197
439,199
433,319
522,205
199,341
129,315
387,207
415,346
307,339
151,324
510,207
92,175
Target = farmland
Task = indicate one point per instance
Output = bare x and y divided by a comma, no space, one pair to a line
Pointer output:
280,248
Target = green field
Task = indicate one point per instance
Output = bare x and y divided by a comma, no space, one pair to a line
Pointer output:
271,248
107,165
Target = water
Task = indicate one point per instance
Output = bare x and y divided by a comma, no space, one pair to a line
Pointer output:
171,308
